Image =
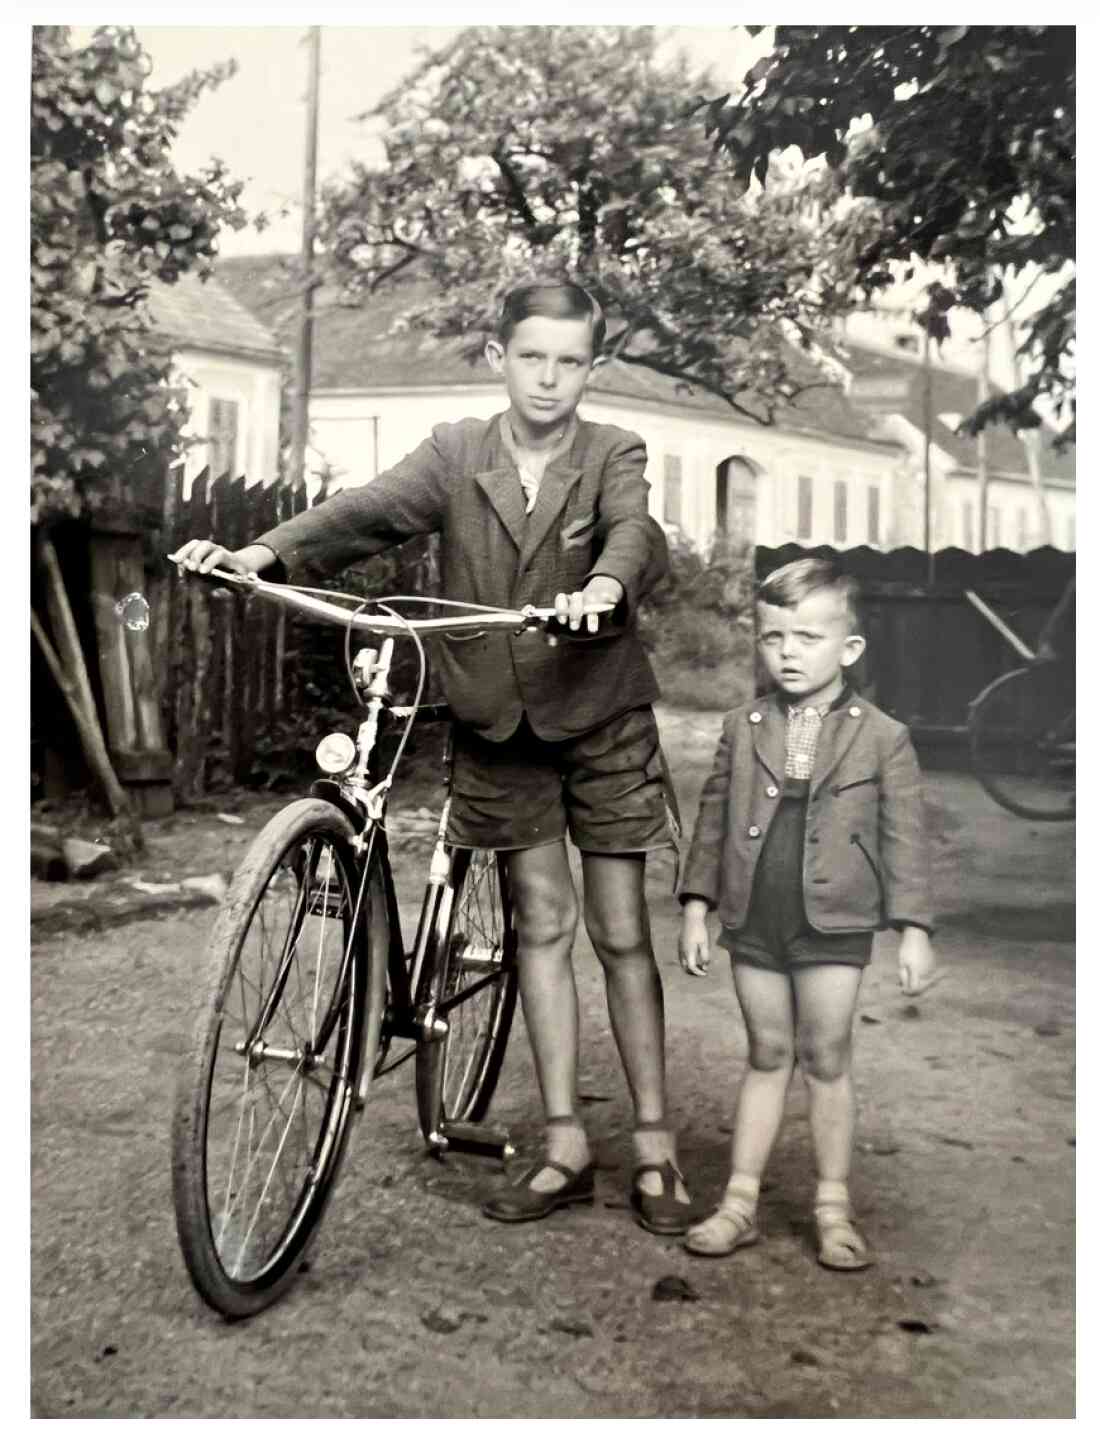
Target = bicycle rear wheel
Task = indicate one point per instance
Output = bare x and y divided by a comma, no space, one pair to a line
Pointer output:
474,986
266,1088
1023,743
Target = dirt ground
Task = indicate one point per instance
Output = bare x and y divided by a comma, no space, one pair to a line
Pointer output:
416,1306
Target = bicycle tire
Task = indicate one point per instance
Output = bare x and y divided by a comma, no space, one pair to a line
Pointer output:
1023,743
474,943
266,1088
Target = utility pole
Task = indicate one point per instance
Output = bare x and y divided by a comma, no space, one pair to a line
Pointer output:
1031,440
983,449
303,355
927,367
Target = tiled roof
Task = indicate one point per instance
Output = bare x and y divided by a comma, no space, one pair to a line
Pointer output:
352,351
954,393
207,316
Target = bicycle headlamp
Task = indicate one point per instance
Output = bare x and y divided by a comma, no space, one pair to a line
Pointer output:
335,753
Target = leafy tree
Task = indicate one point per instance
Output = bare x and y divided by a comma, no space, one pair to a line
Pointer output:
565,149
108,213
969,161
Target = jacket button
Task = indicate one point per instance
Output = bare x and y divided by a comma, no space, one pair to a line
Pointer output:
854,711
771,791
754,717
754,830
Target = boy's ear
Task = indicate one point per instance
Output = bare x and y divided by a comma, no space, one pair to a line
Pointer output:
494,354
854,647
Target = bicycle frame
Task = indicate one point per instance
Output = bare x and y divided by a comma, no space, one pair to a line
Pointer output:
410,1014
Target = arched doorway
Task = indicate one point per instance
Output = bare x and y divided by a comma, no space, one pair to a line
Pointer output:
735,498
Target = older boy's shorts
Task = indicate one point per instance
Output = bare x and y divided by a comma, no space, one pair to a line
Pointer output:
609,789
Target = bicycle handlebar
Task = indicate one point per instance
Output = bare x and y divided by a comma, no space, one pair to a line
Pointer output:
387,624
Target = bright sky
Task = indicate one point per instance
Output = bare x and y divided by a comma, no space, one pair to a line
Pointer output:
256,121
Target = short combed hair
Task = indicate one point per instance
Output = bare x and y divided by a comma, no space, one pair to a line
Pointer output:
787,585
558,300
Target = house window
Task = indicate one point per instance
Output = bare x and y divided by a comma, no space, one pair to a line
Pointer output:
805,507
1021,528
968,525
221,445
840,511
674,491
993,524
873,519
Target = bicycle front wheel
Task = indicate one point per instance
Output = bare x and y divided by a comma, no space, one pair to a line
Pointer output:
1023,743
473,986
296,972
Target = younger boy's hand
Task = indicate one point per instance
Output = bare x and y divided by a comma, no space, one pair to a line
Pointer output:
694,940
917,966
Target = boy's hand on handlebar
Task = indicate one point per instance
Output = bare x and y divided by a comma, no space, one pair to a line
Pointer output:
204,556
577,608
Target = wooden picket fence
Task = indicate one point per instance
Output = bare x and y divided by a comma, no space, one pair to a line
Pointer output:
225,663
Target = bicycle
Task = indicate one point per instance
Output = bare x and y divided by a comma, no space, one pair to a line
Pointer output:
310,989
1022,733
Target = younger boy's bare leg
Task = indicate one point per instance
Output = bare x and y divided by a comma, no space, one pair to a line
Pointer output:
545,909
825,1000
767,1006
617,920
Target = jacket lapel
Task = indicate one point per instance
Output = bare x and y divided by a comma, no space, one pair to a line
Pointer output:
838,732
554,488
769,736
505,495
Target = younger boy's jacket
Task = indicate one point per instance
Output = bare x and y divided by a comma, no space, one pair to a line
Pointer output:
866,858
591,518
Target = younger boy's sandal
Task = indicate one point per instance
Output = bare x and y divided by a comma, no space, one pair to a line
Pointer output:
661,1212
519,1202
840,1244
727,1229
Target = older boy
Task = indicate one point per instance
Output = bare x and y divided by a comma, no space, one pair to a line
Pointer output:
810,836
532,504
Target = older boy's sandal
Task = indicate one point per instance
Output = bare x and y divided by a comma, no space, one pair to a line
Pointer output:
661,1212
519,1202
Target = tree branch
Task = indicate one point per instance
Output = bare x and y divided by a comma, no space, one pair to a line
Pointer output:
515,189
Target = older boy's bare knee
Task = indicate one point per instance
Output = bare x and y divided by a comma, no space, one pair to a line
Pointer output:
618,941
544,915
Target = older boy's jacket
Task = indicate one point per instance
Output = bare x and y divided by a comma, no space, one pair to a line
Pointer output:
591,517
866,858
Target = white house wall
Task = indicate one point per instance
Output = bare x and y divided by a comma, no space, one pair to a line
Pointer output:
346,430
256,387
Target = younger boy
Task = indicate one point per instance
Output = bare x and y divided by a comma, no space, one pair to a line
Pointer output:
810,836
534,504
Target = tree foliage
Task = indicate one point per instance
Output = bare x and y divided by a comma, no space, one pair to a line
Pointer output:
968,161
108,213
518,150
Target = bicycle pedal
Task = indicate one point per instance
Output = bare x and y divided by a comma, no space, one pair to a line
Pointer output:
323,902
476,1138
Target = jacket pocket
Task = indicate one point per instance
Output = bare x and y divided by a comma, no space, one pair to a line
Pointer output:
847,786
857,841
578,532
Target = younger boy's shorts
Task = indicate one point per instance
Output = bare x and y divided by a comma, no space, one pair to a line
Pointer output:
608,789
